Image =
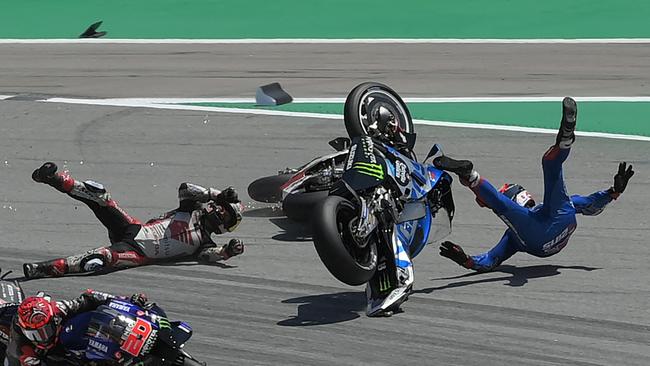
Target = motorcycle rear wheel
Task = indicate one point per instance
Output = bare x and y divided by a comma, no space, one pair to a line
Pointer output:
267,189
300,206
350,262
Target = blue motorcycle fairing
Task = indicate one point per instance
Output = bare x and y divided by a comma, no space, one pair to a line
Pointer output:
100,334
181,332
415,186
414,179
73,335
413,234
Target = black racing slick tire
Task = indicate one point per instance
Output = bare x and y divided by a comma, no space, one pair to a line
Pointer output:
267,189
355,114
300,206
350,262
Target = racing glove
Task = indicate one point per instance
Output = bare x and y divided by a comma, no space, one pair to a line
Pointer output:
234,247
228,195
139,299
456,254
620,180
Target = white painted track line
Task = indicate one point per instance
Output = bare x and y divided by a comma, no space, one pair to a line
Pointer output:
145,103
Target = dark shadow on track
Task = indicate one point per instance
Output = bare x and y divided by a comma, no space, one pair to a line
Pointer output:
292,231
273,211
519,276
189,263
176,263
326,309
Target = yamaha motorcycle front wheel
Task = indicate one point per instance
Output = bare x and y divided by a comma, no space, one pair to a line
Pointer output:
374,109
350,261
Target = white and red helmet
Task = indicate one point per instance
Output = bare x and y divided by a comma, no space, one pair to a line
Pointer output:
224,217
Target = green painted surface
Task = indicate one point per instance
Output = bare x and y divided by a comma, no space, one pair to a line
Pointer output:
629,118
327,18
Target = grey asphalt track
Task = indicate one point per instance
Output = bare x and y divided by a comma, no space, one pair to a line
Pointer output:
276,304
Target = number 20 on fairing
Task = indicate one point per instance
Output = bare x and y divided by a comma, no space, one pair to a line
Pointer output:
137,338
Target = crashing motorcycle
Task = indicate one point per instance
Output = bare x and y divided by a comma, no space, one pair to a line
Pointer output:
386,207
300,189
118,333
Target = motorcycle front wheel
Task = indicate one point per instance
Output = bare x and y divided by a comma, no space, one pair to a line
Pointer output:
362,109
348,260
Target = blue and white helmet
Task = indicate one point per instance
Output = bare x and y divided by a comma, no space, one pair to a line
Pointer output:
518,194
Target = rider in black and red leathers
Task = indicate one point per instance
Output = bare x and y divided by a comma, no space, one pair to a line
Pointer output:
180,233
38,322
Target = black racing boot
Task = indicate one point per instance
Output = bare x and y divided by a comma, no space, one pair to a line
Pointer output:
464,168
48,174
45,174
461,167
33,270
54,268
566,135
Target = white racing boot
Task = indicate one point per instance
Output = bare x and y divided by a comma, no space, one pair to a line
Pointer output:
389,305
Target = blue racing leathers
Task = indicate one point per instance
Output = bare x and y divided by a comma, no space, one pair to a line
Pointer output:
544,229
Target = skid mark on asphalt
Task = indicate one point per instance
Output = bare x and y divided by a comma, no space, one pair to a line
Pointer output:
81,131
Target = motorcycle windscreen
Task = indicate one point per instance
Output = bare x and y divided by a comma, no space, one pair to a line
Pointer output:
430,228
440,225
364,168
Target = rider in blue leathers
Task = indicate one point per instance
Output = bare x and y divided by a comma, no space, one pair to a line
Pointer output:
541,230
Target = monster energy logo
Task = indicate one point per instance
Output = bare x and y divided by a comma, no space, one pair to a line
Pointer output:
373,170
164,323
384,282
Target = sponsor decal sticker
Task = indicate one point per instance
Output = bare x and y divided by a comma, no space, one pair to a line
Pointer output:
98,346
137,338
353,152
401,172
373,170
119,306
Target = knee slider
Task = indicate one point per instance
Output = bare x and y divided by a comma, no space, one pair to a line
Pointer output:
97,190
96,261
91,190
95,187
93,265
